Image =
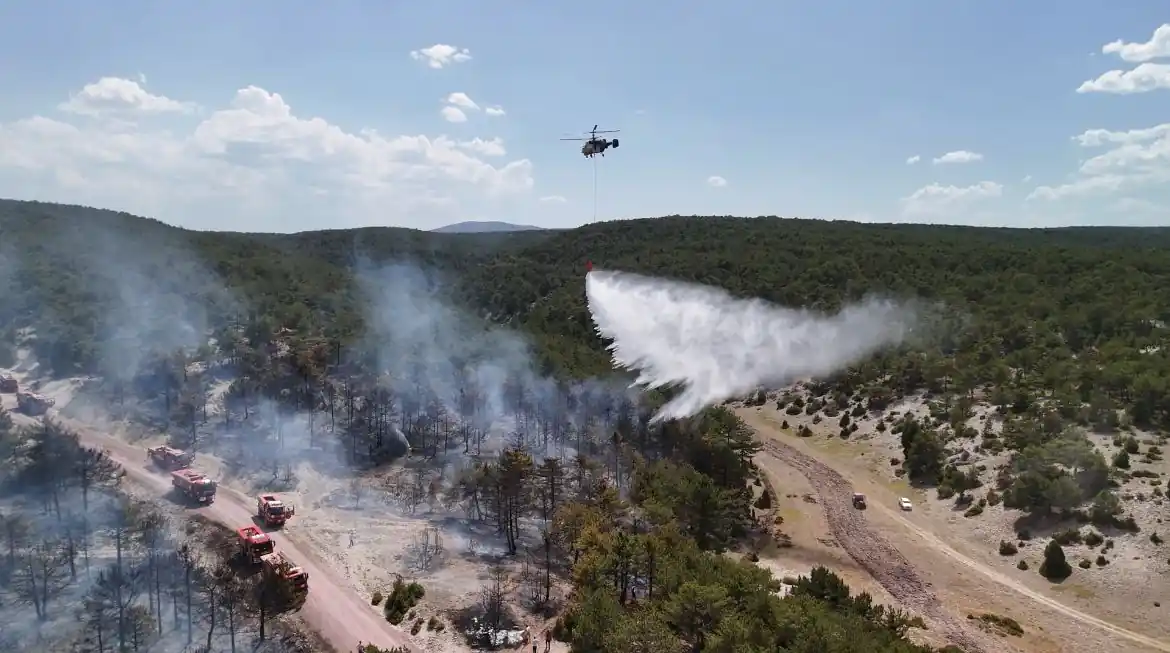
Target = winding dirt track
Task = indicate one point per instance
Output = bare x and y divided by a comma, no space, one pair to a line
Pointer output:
870,550
335,611
895,573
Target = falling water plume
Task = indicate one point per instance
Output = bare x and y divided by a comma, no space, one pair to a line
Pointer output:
714,346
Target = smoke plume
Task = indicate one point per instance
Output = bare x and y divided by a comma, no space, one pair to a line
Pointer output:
717,347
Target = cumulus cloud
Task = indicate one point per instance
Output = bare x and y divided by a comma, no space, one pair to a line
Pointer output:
252,163
453,114
114,95
1133,159
958,156
912,160
1156,48
494,147
715,181
440,55
939,200
461,100
553,199
1144,77
458,104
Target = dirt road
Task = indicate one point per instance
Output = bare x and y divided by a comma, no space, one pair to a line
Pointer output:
870,550
336,612
892,570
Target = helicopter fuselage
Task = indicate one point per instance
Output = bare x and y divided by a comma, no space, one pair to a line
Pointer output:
594,147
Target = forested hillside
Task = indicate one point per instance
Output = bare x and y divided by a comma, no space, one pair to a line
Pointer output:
1055,327
1077,310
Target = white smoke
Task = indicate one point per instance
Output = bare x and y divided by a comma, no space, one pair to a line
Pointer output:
716,347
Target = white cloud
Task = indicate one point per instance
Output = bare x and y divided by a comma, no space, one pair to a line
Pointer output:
1137,158
440,55
1156,48
494,111
1026,179
1099,137
453,114
912,160
1144,78
958,156
715,181
553,199
114,95
937,199
461,100
494,147
253,164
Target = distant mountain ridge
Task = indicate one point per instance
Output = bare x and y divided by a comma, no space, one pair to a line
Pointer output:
483,227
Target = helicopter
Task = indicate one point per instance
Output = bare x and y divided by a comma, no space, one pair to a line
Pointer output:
594,145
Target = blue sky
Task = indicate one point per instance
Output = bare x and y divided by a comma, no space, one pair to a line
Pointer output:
290,116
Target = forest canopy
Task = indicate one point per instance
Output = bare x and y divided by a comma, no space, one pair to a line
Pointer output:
1075,313
1053,327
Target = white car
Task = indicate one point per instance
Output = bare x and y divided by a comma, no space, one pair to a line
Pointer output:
905,504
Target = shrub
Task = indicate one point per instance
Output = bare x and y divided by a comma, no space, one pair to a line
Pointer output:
765,501
792,410
376,599
994,498
881,427
434,624
1127,523
1084,564
1004,624
1055,566
784,425
1022,565
1007,548
974,511
1121,460
1093,538
1102,561
1065,538
1155,538
402,598
418,624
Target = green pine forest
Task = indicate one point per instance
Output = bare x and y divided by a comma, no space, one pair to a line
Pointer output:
1058,328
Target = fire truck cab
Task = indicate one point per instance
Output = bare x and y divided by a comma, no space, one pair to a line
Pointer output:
254,544
169,457
272,511
194,485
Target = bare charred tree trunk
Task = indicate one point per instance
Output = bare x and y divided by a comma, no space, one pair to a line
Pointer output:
211,593
547,566
187,559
